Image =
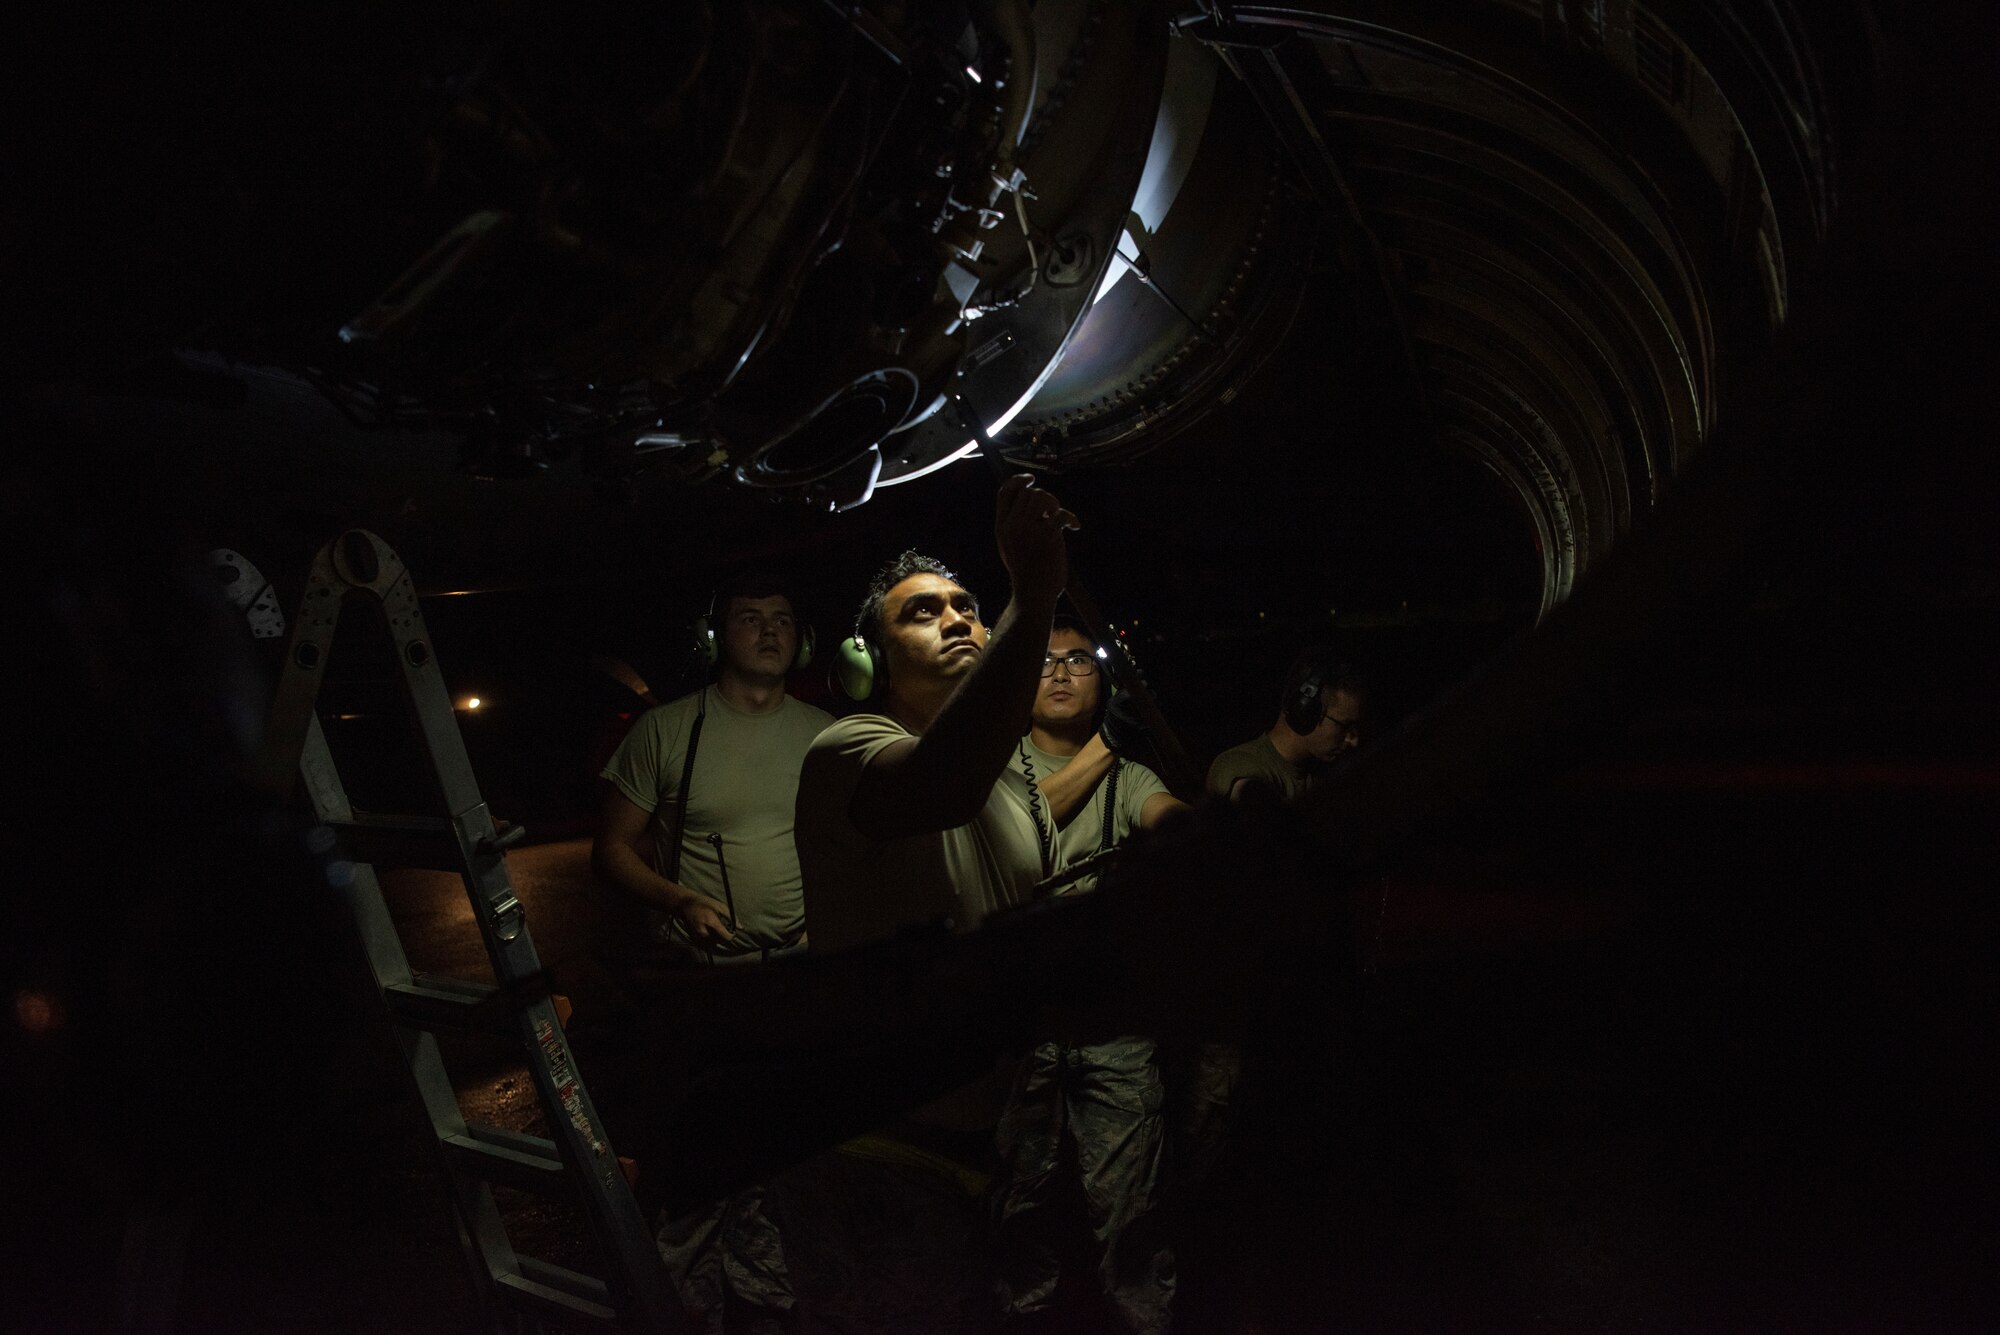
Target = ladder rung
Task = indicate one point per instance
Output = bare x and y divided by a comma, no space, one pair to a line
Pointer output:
430,1001
550,1301
401,841
463,839
573,1282
434,1002
519,1141
526,1163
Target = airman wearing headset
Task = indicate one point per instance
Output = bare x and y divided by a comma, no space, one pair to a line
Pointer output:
1319,718
696,828
1088,796
1084,1117
903,816
697,834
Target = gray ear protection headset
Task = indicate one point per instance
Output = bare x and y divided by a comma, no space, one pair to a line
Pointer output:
708,637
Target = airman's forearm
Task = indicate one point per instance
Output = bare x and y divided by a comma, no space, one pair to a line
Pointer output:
620,866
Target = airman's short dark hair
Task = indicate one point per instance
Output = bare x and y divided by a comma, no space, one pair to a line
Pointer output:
868,621
754,584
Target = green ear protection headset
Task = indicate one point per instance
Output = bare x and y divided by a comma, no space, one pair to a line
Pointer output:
859,668
708,641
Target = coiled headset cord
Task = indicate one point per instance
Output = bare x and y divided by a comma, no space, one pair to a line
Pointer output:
1043,838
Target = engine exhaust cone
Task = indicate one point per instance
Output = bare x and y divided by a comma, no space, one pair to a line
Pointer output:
840,430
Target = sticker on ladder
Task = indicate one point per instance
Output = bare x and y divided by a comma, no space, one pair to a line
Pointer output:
565,1085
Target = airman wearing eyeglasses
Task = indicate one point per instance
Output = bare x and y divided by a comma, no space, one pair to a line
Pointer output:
1072,757
1087,1102
1319,720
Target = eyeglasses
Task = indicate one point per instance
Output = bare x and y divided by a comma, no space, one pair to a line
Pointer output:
1078,664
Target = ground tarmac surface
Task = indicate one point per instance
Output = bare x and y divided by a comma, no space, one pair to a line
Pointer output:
923,1271
1740,1100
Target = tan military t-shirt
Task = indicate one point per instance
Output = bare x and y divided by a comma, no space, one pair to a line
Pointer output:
1085,832
860,889
746,775
1258,761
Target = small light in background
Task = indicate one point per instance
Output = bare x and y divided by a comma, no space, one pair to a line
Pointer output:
472,702
1101,653
38,1012
975,74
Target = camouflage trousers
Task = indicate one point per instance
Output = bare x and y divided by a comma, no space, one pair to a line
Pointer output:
727,1255
1203,1075
1105,1100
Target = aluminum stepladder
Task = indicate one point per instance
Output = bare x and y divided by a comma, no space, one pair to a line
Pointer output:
519,1292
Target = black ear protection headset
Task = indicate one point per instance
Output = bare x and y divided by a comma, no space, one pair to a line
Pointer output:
1304,707
1100,656
708,636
